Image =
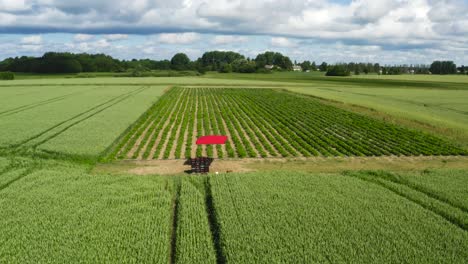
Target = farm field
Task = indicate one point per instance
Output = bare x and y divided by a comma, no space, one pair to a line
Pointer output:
371,227
267,217
432,102
71,121
349,187
265,123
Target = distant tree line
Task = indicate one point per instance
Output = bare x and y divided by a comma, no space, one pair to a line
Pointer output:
221,61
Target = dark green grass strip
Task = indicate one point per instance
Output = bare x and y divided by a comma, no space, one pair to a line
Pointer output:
214,223
452,214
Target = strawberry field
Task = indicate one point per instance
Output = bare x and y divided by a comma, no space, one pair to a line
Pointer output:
263,123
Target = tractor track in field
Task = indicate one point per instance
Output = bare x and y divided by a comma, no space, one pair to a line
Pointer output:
214,224
114,101
174,223
400,100
459,218
25,173
23,108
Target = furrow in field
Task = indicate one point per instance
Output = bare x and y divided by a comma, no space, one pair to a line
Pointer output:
181,132
252,151
139,149
263,147
275,133
129,140
231,133
139,142
170,148
194,147
182,142
230,151
153,148
208,128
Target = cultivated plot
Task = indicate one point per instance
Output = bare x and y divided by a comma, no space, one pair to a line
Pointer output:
265,123
73,121
288,217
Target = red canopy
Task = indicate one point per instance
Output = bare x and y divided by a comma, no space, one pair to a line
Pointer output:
208,140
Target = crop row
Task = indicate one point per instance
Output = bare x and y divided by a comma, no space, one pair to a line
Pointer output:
267,123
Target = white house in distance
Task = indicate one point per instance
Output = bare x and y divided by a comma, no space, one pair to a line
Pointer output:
269,67
297,68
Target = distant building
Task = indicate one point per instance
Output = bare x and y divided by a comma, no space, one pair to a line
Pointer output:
269,67
297,68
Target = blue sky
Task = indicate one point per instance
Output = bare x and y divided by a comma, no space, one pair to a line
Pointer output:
385,31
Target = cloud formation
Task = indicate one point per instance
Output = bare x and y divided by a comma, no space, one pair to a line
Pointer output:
392,25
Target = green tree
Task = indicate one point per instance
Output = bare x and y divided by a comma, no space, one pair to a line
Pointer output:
225,68
338,70
273,58
443,67
323,67
180,62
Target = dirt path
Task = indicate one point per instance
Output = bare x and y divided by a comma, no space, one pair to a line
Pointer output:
313,165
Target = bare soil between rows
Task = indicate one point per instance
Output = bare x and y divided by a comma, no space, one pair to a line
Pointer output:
314,164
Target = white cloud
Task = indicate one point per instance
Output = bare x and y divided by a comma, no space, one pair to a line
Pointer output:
282,42
14,5
178,38
32,40
116,37
228,39
83,37
392,25
102,43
